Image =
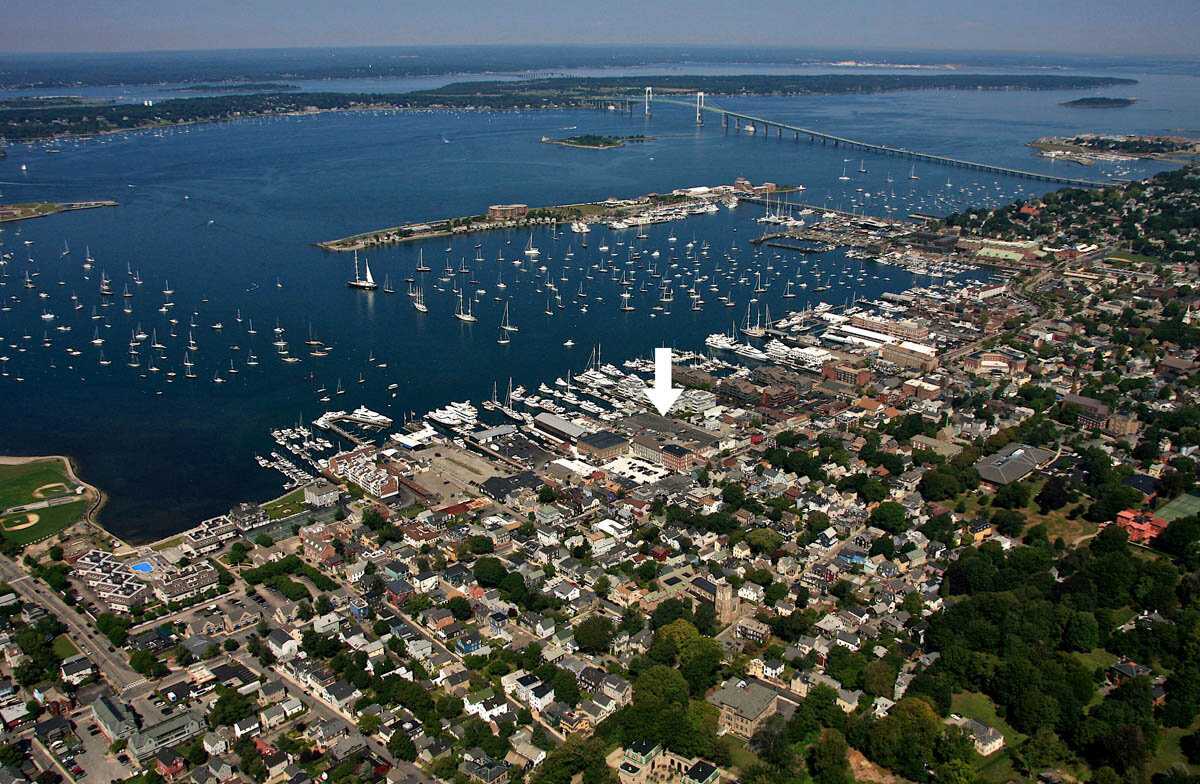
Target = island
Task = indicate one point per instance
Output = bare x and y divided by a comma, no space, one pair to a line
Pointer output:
594,142
1099,103
33,122
16,212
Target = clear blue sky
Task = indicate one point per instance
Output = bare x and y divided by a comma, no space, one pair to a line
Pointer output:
1097,26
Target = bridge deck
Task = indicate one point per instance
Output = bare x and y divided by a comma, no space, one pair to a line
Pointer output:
941,160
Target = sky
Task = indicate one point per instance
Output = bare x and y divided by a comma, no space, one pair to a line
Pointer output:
1170,27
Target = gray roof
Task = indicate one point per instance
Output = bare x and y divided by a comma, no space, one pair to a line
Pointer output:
1012,463
748,699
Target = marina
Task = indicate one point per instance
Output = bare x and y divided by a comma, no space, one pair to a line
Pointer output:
168,406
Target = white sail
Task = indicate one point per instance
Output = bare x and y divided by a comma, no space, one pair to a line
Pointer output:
370,279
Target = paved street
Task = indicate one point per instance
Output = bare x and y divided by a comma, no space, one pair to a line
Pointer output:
112,663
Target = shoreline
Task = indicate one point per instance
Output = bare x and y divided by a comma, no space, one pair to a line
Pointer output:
42,209
97,498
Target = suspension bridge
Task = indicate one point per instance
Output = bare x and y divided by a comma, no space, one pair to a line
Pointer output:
755,125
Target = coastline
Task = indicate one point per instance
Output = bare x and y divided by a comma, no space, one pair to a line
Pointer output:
96,497
41,209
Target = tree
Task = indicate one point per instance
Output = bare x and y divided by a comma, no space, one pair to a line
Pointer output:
323,605
264,540
147,664
230,645
1053,495
55,553
368,723
595,634
490,572
304,610
889,516
879,678
764,540
401,747
460,607
1082,632
827,759
11,755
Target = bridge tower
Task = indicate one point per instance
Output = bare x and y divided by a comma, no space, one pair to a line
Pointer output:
699,108
649,98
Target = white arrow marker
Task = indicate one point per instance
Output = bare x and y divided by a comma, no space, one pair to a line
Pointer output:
662,394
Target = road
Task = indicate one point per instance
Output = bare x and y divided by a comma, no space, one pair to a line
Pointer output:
112,664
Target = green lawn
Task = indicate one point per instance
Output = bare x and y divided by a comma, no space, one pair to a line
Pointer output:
741,757
50,520
996,768
1168,752
1096,660
64,648
974,705
288,505
18,482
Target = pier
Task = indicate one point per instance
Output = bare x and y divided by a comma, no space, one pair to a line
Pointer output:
361,416
626,103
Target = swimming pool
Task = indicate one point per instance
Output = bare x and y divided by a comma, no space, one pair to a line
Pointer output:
144,567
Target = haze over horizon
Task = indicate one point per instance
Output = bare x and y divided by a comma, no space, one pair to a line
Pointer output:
1166,27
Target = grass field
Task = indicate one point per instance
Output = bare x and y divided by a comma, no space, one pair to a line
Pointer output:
63,647
50,520
18,482
1181,506
974,705
741,757
1096,660
290,504
996,768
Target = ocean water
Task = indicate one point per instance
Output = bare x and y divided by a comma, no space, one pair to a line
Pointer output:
228,214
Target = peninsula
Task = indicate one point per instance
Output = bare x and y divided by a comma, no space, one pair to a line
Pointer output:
16,212
33,122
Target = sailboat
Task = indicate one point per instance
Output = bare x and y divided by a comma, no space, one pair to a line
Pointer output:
529,249
368,283
843,177
387,285
862,167
503,339
912,175
504,323
421,265
463,315
419,301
